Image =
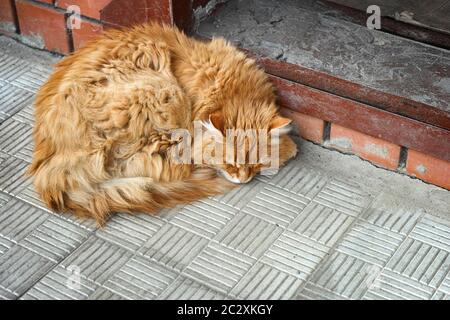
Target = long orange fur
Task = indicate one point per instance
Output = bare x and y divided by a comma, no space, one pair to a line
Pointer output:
103,118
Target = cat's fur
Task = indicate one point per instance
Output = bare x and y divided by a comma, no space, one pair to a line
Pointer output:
103,118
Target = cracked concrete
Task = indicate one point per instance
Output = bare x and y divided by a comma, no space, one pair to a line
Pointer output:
310,34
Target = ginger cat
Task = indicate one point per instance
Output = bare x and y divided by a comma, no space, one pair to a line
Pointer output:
105,116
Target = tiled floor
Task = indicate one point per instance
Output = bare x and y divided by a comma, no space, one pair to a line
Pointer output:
327,226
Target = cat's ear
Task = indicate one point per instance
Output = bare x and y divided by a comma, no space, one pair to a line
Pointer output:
280,123
215,124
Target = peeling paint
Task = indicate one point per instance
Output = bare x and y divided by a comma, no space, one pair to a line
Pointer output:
341,143
202,13
33,40
380,151
421,168
8,26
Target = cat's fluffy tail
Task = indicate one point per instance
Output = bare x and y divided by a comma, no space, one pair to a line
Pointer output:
142,194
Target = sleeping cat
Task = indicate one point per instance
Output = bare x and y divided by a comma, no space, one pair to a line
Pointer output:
104,120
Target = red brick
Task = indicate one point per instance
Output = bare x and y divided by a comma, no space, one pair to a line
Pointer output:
309,128
117,14
88,31
427,168
42,24
376,150
7,23
89,8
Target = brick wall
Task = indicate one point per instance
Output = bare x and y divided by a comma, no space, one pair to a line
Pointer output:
380,152
45,24
50,24
7,17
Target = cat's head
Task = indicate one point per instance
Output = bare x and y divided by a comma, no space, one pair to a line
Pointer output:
239,154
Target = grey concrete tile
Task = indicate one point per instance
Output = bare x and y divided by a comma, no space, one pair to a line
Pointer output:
421,262
12,175
299,180
55,239
343,196
4,198
5,245
370,243
322,224
313,292
88,224
205,217
33,79
13,99
16,139
140,278
276,205
439,295
104,294
239,197
186,289
295,254
263,282
248,234
97,259
443,292
25,115
20,269
61,284
219,267
7,295
130,231
433,231
345,276
29,195
19,219
393,286
174,246
11,67
397,220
